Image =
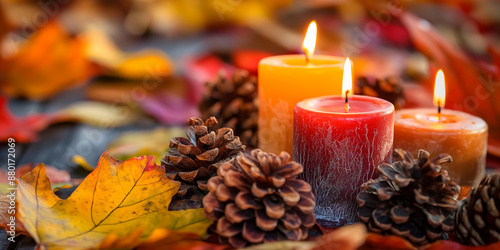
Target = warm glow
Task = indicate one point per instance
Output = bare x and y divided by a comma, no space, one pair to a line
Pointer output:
347,79
439,90
310,40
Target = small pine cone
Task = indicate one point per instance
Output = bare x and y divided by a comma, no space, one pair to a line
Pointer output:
257,198
195,159
478,216
389,88
413,198
234,102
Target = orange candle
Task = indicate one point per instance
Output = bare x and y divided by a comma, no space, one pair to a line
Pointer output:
461,135
288,79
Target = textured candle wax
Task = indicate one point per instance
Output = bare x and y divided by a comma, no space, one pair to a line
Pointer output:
458,134
283,82
340,151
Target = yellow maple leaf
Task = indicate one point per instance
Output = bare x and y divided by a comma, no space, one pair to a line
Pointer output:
117,197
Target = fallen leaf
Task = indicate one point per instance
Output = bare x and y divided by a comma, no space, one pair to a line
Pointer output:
58,177
50,62
284,245
447,244
82,162
7,211
136,65
154,142
464,192
349,237
377,241
117,197
22,129
249,59
177,241
98,114
170,109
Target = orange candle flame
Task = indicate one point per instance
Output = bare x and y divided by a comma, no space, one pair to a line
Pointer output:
439,91
347,83
310,40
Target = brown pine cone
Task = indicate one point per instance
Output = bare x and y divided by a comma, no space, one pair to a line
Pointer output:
195,159
233,101
389,88
478,216
257,198
413,198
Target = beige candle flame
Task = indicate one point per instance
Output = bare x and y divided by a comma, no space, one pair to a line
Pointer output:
309,43
439,91
347,83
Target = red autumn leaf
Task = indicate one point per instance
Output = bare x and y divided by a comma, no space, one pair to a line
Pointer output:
23,129
447,244
249,59
55,175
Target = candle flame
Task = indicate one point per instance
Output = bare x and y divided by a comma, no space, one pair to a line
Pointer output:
310,40
439,90
347,80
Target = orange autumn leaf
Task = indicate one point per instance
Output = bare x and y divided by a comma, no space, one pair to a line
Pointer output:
464,192
117,197
377,241
50,62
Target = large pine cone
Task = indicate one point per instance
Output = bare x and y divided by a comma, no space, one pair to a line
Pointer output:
257,198
413,198
195,159
389,88
234,102
478,216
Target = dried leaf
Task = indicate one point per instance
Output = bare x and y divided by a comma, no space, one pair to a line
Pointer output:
117,197
98,114
138,65
176,241
23,129
50,62
284,245
377,241
346,238
464,192
447,244
155,142
82,162
170,109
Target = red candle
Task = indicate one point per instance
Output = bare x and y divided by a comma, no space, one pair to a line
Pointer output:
340,144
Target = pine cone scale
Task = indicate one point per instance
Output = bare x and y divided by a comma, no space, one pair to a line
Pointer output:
195,159
268,206
412,198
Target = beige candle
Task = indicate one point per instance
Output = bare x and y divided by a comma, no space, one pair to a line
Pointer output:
461,135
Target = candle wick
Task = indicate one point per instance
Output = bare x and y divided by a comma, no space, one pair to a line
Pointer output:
307,57
439,110
346,107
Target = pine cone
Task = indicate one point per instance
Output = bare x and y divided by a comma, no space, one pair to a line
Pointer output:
478,217
257,198
389,88
234,102
413,198
195,159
